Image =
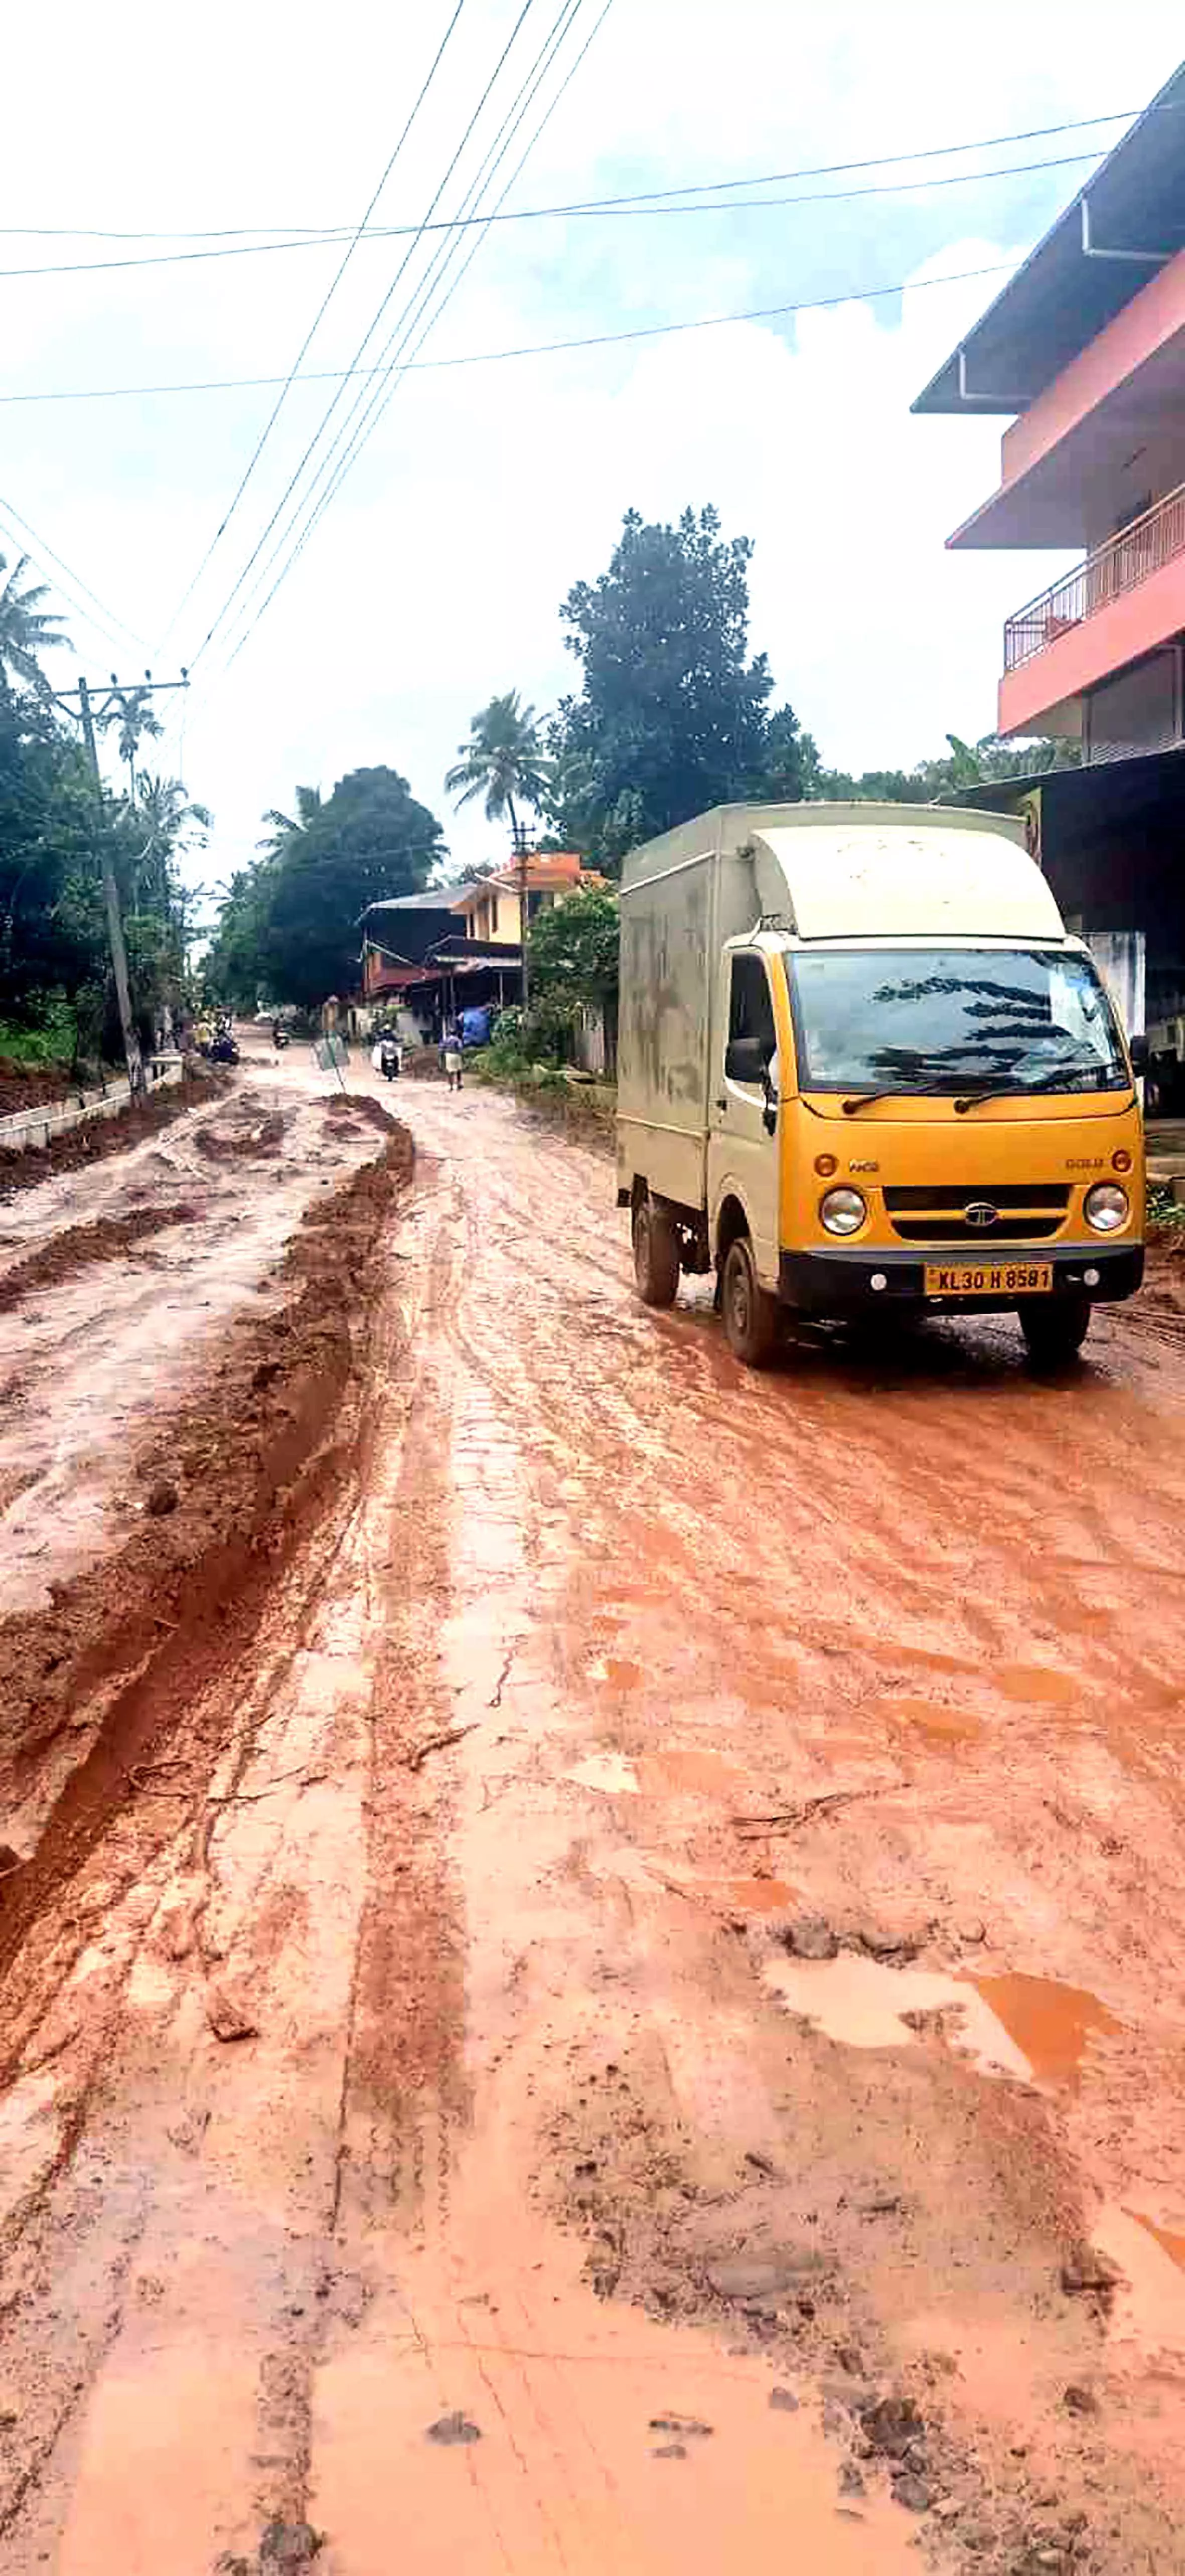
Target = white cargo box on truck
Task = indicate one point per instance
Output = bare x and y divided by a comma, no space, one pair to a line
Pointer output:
815,873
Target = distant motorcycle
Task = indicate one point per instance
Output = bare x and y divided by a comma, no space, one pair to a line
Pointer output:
279,1037
224,1049
389,1062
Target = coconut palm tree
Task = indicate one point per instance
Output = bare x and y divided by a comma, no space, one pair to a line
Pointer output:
27,629
502,759
133,711
290,827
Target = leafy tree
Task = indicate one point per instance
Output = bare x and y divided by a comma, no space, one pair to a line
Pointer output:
290,923
574,946
575,949
51,927
286,827
964,765
503,760
27,630
789,760
673,716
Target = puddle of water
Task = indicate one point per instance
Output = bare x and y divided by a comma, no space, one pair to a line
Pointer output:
182,2421
759,1895
1050,2023
939,1725
688,1768
572,2399
616,1672
1036,1682
1147,2319
1031,2027
610,1772
1172,2244
859,2002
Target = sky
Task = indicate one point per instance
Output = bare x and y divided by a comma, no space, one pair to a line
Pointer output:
482,491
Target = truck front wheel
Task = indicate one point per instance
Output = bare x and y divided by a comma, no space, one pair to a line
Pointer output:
750,1313
1055,1329
656,1255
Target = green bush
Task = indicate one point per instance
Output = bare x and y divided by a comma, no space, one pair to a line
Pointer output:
43,1042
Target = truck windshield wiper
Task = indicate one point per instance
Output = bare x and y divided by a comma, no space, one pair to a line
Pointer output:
1056,1080
895,1091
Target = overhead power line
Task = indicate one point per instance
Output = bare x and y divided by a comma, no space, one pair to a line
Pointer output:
631,196
324,480
364,343
103,620
526,349
373,404
380,399
605,211
317,320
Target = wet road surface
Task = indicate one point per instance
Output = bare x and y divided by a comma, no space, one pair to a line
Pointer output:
682,1932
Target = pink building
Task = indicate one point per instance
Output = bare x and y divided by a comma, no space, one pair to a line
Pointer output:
1085,352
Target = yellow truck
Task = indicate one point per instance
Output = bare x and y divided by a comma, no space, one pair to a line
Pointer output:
864,1071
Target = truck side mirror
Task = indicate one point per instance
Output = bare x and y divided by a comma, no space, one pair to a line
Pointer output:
746,1060
1138,1051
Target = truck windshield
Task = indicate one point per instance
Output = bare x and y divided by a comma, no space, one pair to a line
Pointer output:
915,1019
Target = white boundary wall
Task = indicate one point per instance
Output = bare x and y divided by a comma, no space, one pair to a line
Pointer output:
56,1117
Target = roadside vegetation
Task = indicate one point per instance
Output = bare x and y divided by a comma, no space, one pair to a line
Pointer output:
57,1003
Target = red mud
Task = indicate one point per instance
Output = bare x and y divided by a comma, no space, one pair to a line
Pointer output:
26,1087
124,1646
99,1137
78,1246
609,1997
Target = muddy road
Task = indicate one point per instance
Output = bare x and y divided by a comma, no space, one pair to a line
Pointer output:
591,1944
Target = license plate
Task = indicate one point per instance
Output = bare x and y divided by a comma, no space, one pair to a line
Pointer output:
989,1279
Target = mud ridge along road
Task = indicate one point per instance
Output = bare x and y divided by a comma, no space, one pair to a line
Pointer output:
590,1943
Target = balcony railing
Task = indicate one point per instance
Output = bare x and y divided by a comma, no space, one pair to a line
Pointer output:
1121,565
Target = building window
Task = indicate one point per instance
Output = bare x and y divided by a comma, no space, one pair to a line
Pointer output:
1138,709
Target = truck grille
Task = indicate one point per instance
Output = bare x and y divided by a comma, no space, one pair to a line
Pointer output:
1023,1212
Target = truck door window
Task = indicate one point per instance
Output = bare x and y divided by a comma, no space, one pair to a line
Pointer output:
750,1004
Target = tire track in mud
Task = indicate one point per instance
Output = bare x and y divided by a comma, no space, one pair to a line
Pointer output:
132,1647
77,1247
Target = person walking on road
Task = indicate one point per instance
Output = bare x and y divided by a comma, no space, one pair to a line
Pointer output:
453,1058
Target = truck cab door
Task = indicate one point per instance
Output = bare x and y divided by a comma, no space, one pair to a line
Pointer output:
743,1157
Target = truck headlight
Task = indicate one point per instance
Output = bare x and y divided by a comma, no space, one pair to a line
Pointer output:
1106,1207
844,1211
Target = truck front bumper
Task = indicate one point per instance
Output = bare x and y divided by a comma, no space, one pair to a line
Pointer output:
840,1282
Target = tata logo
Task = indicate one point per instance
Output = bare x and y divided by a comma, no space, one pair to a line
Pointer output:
980,1213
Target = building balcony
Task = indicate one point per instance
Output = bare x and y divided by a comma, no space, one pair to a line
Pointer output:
1121,565
1125,600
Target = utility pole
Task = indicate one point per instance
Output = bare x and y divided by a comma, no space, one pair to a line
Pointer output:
520,844
86,713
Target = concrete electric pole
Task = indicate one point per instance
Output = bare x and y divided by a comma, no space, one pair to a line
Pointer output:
85,713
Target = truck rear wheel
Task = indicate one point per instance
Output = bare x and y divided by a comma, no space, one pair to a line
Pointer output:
750,1313
656,1255
1055,1329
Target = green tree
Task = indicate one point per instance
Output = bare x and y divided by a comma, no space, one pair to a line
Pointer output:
51,927
289,924
27,630
133,711
963,765
673,715
575,949
285,828
503,761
